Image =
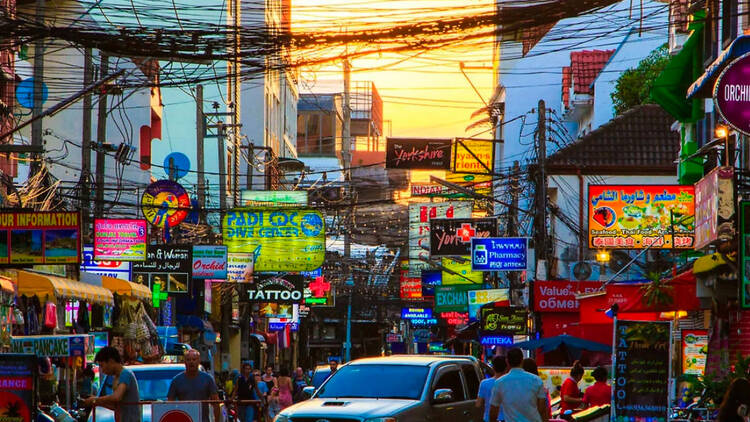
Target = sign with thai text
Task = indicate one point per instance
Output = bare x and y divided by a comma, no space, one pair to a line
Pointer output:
453,298
38,237
169,266
273,198
732,94
560,296
120,239
410,287
452,237
280,239
417,154
420,215
638,216
714,207
499,253
210,262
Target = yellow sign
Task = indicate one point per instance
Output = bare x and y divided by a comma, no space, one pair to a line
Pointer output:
467,276
280,239
473,156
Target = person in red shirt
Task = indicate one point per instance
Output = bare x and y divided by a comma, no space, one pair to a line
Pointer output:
569,392
600,393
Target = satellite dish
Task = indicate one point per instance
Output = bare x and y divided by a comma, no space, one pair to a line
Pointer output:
581,270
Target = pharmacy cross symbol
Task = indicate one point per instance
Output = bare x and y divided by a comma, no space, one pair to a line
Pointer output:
465,232
157,295
319,287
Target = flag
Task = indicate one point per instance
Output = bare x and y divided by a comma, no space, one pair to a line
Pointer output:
285,340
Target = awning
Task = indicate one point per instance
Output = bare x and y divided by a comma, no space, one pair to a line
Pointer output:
703,86
126,288
551,343
43,285
6,285
681,290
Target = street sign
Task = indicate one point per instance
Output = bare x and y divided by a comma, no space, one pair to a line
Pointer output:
499,254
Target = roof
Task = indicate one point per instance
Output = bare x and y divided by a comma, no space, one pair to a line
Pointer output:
639,141
585,66
425,360
316,102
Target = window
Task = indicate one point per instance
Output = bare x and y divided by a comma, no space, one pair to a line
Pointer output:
451,380
377,381
711,32
472,381
729,11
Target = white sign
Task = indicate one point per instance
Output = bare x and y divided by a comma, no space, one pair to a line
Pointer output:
419,228
176,412
116,269
239,267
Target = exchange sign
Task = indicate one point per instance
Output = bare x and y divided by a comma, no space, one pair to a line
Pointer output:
499,254
637,216
280,239
120,239
37,237
453,298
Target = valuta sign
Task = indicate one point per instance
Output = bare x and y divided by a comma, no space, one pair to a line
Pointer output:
560,296
732,94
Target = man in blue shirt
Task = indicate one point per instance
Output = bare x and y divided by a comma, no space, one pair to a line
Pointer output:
485,388
521,394
125,396
195,385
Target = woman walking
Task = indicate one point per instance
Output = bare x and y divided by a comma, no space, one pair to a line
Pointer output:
285,389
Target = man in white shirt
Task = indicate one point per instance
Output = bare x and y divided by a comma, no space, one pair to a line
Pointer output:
487,385
520,393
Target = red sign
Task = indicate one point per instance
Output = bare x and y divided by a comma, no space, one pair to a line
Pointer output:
411,287
455,318
176,416
560,296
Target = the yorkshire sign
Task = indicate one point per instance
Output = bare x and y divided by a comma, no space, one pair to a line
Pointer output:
732,94
276,289
418,154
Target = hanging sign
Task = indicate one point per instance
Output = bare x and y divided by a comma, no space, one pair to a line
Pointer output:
458,271
502,320
452,237
473,156
561,296
453,298
319,292
430,279
410,287
52,346
240,267
169,266
120,239
638,216
416,313
496,340
38,237
642,361
732,94
744,259
694,351
477,298
417,154
116,269
275,288
455,318
18,378
273,198
714,207
420,215
499,253
210,262
165,203
280,239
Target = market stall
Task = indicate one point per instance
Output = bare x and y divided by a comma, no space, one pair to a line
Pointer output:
7,317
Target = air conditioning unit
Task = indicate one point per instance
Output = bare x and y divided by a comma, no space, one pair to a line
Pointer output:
584,271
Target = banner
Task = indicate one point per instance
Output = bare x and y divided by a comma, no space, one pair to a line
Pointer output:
477,298
460,272
18,379
714,207
274,288
501,320
280,239
38,237
120,239
116,269
453,298
210,262
499,254
452,237
637,216
641,387
170,266
694,351
560,296
417,153
419,228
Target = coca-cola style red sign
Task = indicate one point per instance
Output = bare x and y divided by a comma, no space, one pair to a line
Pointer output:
560,296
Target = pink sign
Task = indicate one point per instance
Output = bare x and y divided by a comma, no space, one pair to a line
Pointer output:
120,240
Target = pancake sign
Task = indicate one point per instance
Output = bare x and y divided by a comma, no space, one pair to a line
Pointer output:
165,202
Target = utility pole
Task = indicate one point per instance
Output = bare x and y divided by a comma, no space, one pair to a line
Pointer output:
86,145
36,111
513,216
101,137
222,170
540,241
346,153
199,131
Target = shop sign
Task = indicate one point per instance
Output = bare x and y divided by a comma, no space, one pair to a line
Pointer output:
455,318
169,266
642,361
417,154
38,237
453,298
714,207
280,239
304,311
502,320
473,156
732,94
477,298
416,313
496,340
275,288
437,347
561,296
279,326
393,338
638,216
460,271
423,322
452,237
499,254
276,310
116,269
422,336
52,346
165,203
744,267
410,287
120,239
240,267
319,292
430,279
694,351
427,190
18,379
210,262
420,215
274,198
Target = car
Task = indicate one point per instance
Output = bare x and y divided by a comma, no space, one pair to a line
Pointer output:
320,375
403,388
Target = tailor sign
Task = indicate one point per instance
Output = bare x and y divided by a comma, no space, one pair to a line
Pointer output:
120,239
499,254
732,94
280,239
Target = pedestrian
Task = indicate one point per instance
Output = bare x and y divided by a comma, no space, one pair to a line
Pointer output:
520,393
247,389
285,389
195,385
269,379
274,407
231,382
300,381
125,395
529,365
600,393
499,365
333,365
263,388
570,395
87,382
736,403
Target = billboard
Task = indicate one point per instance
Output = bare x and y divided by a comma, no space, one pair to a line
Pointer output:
501,320
116,269
730,94
473,156
420,215
18,391
561,296
275,288
452,237
453,298
280,239
120,239
477,298
638,216
168,265
499,253
417,153
714,207
37,237
210,262
273,198
319,292
460,271
744,261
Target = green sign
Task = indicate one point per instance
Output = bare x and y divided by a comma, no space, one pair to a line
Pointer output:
745,253
453,298
273,198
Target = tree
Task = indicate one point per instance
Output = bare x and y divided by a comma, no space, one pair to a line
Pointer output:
633,86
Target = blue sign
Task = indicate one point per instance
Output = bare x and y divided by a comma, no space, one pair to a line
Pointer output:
177,162
313,273
416,313
423,321
497,341
116,269
25,93
430,279
278,326
499,253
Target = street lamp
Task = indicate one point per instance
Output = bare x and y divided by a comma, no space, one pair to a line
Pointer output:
722,132
602,256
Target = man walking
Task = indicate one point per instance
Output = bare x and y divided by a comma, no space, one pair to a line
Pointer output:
195,385
247,389
124,398
520,393
300,381
485,388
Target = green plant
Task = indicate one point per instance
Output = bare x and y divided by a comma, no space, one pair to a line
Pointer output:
716,385
657,291
634,85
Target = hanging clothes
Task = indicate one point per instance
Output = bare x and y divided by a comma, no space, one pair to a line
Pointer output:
32,321
82,322
97,315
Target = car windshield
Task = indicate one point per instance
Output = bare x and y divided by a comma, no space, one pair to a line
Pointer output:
154,384
319,376
376,381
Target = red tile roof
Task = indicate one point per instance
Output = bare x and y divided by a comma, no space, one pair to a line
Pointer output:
585,66
566,73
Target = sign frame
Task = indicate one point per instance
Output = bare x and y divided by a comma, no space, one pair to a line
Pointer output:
135,256
488,266
444,230
425,153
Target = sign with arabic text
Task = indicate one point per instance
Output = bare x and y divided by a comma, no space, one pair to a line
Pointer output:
18,379
714,207
280,239
417,153
170,266
420,215
120,239
210,262
38,237
496,320
638,216
499,253
452,236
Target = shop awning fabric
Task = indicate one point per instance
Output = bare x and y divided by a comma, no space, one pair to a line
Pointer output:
43,285
6,285
703,86
574,343
126,288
